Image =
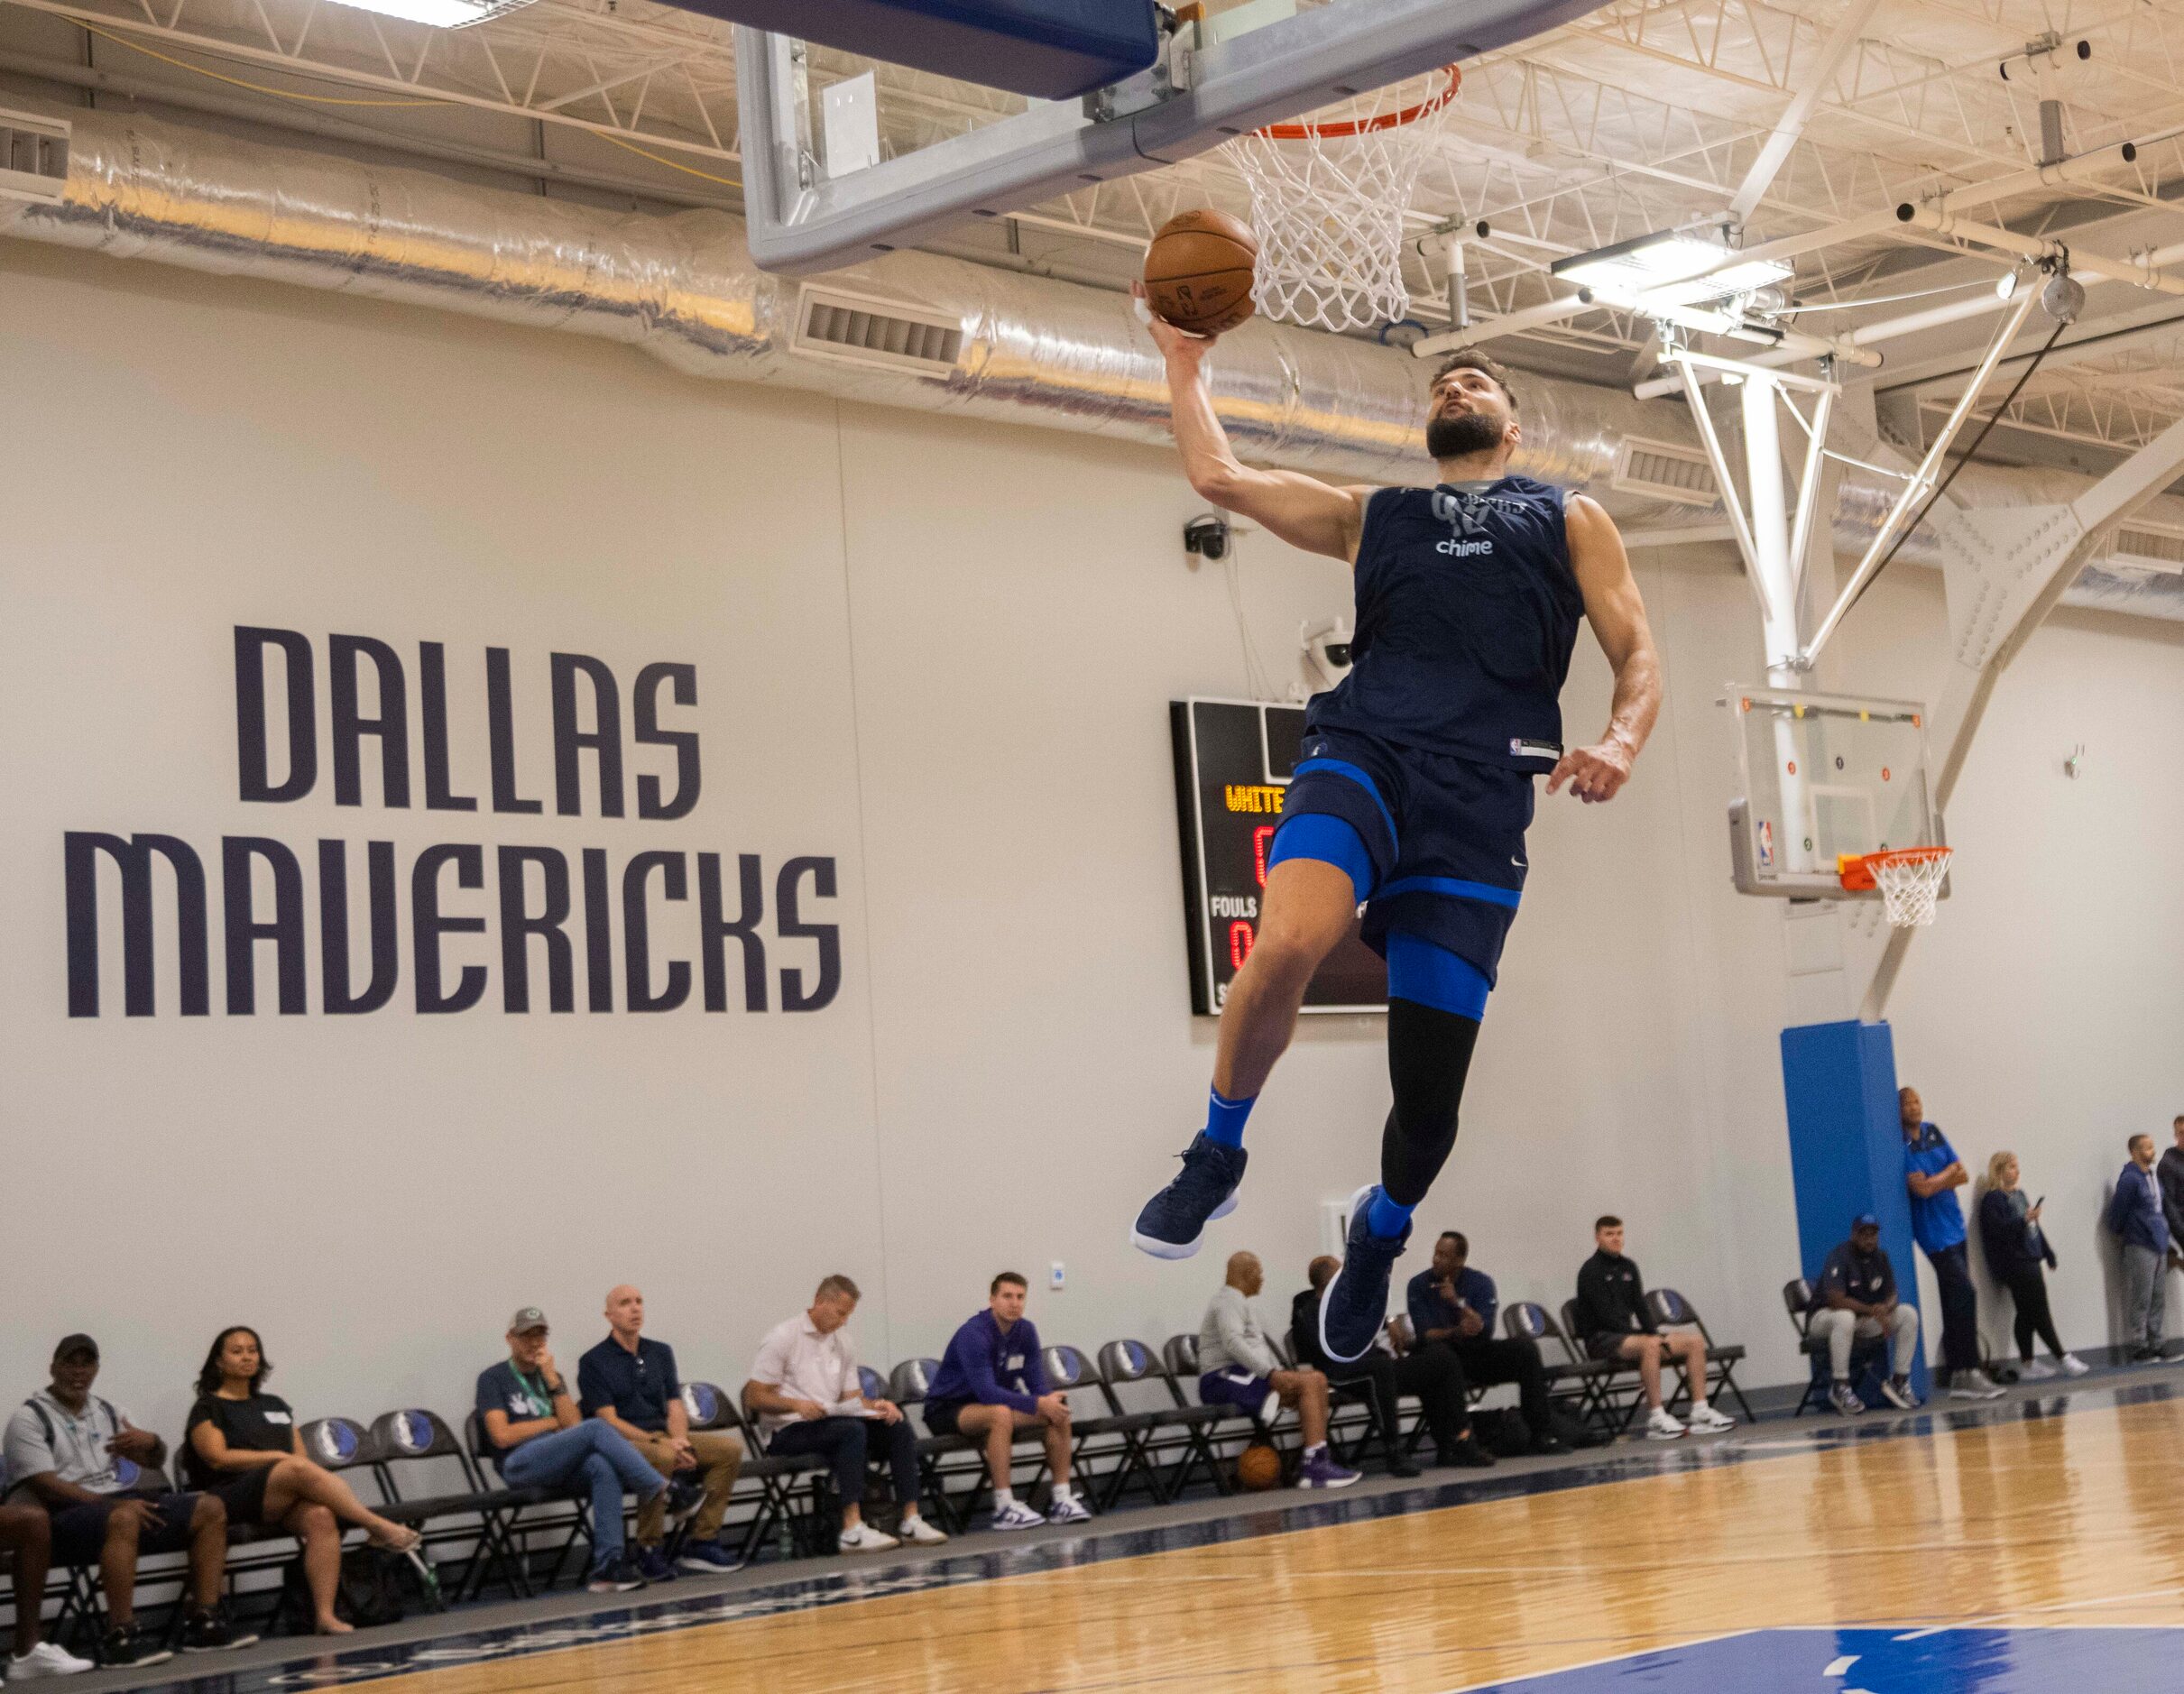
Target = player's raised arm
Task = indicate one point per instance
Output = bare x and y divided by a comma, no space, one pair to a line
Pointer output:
1617,615
1302,510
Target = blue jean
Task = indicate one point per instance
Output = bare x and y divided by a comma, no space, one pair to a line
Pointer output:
600,1456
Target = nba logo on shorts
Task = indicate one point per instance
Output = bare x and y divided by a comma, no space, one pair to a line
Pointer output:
1766,843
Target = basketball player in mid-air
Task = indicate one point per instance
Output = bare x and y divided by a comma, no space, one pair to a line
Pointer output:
1413,783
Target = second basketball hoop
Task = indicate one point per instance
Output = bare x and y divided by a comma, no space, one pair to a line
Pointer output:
1328,196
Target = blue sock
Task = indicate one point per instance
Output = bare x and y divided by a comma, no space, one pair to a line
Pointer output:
1384,1217
1225,1119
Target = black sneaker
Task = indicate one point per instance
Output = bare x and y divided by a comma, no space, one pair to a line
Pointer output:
1204,1190
1399,1464
1356,1301
683,1497
123,1645
1552,1445
616,1576
211,1631
1465,1456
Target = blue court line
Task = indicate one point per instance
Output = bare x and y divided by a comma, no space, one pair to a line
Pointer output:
1990,1660
316,1665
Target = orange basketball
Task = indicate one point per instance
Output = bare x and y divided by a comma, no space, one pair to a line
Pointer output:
1198,272
1259,1468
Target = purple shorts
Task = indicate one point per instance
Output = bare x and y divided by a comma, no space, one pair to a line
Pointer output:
1237,1387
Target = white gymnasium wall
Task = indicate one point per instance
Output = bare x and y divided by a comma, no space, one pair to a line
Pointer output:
940,653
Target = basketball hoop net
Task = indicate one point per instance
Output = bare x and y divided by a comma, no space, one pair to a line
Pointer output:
1908,879
1328,196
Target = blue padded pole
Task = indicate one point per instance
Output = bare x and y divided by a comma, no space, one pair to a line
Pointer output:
1847,1150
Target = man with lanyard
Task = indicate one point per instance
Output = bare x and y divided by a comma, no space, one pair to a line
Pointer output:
535,1437
1932,1173
991,1388
98,1475
1415,783
1452,1305
1855,1301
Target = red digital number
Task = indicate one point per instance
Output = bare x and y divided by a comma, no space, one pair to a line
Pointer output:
1259,838
1240,937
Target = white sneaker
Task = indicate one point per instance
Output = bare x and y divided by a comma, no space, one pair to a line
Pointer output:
1016,1515
919,1533
1973,1384
864,1538
45,1660
2034,1370
1707,1419
1661,1427
2073,1366
1070,1511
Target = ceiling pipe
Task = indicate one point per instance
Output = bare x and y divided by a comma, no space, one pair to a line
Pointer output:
2144,272
682,287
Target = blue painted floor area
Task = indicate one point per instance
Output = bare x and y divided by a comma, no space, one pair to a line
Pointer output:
1882,1661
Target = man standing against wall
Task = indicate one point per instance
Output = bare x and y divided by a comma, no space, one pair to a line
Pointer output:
2169,1174
1933,1172
2135,1214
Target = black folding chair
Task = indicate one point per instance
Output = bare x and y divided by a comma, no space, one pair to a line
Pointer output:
1868,1354
1234,1429
1573,1379
532,1512
941,1458
1106,1450
1620,1388
711,1408
414,1436
1176,1446
1672,1310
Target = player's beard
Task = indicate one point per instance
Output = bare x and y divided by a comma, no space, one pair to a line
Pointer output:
1458,436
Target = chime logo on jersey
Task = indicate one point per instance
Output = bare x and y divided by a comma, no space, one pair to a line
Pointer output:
1467,515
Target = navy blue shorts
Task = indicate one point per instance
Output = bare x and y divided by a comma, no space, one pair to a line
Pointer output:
79,1531
1444,837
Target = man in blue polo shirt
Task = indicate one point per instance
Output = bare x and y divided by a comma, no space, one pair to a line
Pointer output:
629,1383
991,1387
1452,1305
1933,1172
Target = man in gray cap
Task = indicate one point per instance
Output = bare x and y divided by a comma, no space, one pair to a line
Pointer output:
533,1434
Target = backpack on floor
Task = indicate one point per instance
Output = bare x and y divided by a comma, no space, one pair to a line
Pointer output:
1502,1433
376,1587
1573,1431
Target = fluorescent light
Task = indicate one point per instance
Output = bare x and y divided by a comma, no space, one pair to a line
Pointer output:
440,15
1676,268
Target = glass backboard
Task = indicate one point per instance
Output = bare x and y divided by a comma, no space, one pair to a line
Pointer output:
846,156
1822,778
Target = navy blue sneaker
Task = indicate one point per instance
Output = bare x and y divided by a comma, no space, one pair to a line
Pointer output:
1356,1302
652,1565
709,1557
1204,1190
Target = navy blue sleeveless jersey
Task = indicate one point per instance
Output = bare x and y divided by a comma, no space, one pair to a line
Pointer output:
1467,614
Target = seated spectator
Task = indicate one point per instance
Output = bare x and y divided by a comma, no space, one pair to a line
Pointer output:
2018,1253
1615,1324
805,1390
992,1384
81,1459
245,1448
1238,1367
1431,1373
1452,1305
629,1383
2135,1216
26,1538
537,1440
1855,1301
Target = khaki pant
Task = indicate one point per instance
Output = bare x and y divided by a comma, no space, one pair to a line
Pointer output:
720,1455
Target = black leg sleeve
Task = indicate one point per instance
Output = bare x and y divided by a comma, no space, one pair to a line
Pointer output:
1429,1053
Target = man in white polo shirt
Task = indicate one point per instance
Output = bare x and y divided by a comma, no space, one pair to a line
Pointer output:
805,1391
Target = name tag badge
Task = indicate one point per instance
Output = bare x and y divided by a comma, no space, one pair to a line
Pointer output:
277,1417
1015,1361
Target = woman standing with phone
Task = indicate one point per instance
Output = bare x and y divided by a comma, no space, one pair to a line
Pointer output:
2018,1253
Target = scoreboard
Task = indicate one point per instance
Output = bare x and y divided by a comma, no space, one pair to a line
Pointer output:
1233,762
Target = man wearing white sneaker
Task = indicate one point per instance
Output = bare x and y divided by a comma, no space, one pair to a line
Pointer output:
1237,1368
1613,1319
26,1537
809,1400
991,1388
1855,1301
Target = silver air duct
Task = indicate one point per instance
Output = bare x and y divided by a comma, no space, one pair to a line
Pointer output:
911,330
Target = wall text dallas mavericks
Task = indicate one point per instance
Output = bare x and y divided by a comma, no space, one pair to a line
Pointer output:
556,912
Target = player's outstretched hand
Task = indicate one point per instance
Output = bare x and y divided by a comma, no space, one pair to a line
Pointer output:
1594,773
1173,343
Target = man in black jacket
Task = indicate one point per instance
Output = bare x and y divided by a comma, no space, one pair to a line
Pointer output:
1431,1373
2169,1174
1615,1324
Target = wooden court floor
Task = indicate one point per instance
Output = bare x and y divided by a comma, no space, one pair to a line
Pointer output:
2033,1519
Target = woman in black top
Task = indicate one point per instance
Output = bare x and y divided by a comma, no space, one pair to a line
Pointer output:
243,1446
2018,1253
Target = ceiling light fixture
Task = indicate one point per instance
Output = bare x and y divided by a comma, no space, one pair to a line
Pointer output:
440,15
1678,267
